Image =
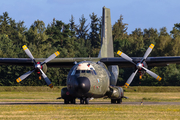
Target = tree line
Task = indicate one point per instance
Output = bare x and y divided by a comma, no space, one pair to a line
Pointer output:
83,40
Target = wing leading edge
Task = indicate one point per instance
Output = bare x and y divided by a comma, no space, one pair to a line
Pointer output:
57,62
69,62
151,61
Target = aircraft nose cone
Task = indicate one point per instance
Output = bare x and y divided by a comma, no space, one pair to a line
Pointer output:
83,85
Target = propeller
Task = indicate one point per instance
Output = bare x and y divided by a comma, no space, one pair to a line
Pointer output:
37,66
139,65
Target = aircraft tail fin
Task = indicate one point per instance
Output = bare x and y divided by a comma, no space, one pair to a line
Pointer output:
107,49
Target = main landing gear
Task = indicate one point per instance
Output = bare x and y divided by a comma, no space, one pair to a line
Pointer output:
116,101
84,100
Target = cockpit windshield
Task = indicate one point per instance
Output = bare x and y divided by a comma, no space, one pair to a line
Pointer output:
84,68
93,72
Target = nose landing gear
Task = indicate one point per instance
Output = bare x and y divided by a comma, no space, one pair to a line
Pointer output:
67,101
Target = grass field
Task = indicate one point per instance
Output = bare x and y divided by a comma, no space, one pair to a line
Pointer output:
91,111
51,97
43,94
58,89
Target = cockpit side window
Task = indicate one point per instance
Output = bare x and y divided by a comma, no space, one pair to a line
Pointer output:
83,71
78,71
93,72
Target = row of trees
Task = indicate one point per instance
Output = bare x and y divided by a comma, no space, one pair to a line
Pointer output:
83,40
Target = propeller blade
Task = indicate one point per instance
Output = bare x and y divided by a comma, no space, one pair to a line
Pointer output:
51,57
28,53
22,77
130,79
154,75
148,51
46,79
125,56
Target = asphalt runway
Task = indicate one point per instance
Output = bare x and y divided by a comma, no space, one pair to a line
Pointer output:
90,103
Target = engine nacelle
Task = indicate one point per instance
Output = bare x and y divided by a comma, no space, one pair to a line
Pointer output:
141,71
114,71
43,67
115,92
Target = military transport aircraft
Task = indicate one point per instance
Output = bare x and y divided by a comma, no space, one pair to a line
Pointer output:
92,77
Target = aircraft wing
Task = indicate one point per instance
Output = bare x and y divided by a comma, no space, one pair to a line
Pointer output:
57,62
69,62
151,61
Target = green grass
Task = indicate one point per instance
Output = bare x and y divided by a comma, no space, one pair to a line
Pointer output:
51,97
29,96
90,112
153,97
30,89
58,89
45,94
152,89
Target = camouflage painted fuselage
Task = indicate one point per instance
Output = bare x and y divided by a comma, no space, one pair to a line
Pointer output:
96,74
89,79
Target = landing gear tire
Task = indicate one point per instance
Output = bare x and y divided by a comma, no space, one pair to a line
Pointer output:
66,101
84,100
119,101
113,101
87,101
73,101
81,101
116,101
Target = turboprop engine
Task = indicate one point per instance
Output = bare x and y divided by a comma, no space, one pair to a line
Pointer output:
140,66
39,67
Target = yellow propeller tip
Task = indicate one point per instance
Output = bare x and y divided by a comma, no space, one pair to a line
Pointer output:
126,85
119,52
152,45
58,52
17,80
23,46
160,79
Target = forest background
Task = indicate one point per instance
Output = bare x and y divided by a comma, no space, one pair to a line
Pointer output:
83,40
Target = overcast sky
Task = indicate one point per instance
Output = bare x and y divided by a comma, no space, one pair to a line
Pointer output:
136,13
